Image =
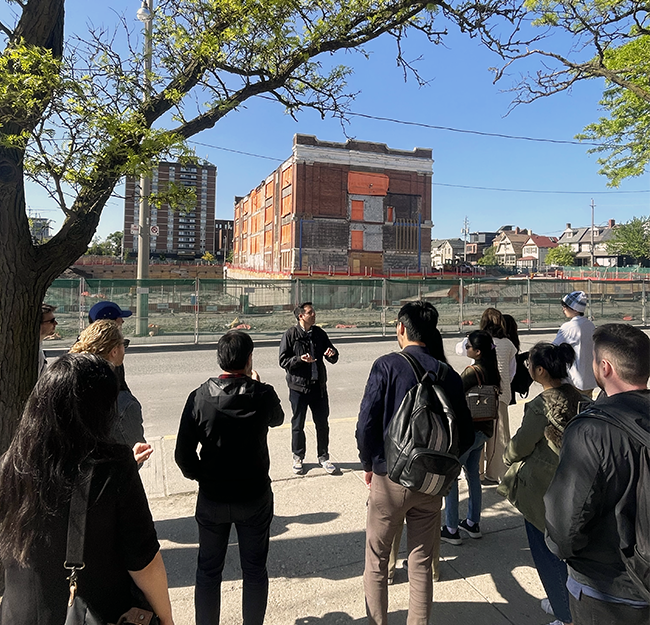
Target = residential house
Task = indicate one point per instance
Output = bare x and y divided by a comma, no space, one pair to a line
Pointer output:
446,252
579,240
477,244
509,244
534,252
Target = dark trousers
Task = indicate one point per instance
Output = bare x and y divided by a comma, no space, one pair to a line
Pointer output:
252,520
318,402
552,572
590,611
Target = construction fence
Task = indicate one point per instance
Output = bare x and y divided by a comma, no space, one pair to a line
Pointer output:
202,310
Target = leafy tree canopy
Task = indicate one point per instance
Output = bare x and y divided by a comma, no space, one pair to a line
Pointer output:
489,258
610,40
111,246
632,239
562,256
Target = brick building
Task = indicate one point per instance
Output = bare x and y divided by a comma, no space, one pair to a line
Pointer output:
175,233
355,206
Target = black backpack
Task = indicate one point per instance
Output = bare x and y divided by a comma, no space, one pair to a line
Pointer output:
421,443
522,380
637,560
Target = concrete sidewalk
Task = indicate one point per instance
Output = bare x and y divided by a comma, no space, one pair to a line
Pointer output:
317,547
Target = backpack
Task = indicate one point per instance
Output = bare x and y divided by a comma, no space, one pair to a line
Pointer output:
522,380
421,443
637,560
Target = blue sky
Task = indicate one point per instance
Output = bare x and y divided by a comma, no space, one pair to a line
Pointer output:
460,95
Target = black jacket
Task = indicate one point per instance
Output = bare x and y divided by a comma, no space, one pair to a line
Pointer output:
229,417
591,502
295,343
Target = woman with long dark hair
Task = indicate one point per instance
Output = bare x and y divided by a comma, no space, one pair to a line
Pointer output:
493,323
533,457
65,429
484,371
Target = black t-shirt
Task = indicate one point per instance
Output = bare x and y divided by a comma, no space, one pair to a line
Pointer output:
120,537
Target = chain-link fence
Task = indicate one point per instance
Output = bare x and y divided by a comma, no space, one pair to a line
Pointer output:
202,310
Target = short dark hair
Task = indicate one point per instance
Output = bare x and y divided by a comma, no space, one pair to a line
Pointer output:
628,349
554,358
233,350
47,308
419,318
300,309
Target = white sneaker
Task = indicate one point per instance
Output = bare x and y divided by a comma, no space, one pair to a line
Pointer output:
328,466
298,469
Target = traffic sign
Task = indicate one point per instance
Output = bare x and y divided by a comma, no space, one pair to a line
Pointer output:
154,231
135,229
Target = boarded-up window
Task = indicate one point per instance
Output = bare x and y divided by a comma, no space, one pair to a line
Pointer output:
268,214
268,238
268,190
245,206
356,210
356,239
285,237
363,183
287,176
287,204
390,214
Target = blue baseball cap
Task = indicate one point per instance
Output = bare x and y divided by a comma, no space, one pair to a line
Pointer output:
107,310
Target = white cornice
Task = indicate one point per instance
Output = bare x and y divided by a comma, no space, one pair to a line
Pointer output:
353,158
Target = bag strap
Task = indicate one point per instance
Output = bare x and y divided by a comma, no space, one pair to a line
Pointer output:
641,437
477,373
420,373
74,554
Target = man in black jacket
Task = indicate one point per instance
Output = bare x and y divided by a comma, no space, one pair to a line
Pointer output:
391,378
229,417
591,503
303,350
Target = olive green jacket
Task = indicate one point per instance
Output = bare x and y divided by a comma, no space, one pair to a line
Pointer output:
532,454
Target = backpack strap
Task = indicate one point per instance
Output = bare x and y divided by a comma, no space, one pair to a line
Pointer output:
420,373
636,433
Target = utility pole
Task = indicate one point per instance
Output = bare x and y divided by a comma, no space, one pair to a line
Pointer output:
145,15
593,206
465,232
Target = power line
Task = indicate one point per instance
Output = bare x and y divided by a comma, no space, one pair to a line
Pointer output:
464,186
473,132
217,147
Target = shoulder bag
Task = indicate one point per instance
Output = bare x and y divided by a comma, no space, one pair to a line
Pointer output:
79,612
483,400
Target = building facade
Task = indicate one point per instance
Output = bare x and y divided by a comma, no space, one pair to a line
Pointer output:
534,251
579,240
174,233
446,252
223,238
356,206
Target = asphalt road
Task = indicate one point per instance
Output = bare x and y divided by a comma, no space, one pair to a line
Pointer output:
162,381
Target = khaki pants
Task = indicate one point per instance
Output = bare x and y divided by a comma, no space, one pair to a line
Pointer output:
495,468
394,553
388,506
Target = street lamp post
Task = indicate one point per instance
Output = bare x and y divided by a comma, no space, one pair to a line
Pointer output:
145,15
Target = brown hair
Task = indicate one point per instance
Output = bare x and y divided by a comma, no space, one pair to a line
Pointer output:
492,322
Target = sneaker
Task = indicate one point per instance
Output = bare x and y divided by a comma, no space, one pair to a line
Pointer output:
558,622
546,606
328,466
448,537
474,531
298,469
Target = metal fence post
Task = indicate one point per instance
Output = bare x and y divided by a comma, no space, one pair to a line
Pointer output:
643,302
591,312
82,289
384,305
461,301
530,308
197,291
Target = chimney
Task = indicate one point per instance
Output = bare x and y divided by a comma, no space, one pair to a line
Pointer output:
568,226
517,230
611,223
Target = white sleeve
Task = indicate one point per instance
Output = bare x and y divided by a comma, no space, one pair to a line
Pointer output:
460,348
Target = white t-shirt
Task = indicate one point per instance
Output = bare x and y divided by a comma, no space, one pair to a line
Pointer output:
578,332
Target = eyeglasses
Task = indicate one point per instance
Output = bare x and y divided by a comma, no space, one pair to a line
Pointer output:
53,320
467,346
126,343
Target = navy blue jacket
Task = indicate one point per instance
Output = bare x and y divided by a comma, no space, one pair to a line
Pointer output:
391,378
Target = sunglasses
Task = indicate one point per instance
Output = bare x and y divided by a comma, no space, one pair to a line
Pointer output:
126,343
53,320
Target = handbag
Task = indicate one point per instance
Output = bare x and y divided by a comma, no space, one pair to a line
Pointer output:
483,400
522,380
78,611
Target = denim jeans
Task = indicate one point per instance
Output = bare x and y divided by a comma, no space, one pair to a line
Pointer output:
470,460
552,572
252,520
320,411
